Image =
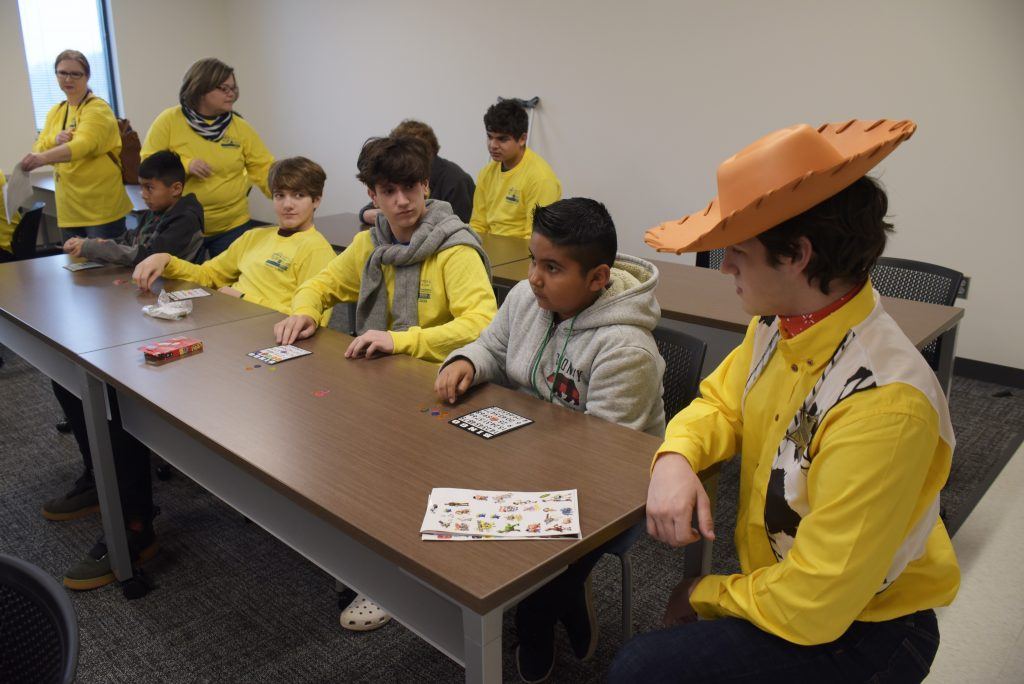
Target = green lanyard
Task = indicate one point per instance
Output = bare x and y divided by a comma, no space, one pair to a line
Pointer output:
558,360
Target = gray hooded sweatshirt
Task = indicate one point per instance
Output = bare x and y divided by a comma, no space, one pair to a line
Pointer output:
608,367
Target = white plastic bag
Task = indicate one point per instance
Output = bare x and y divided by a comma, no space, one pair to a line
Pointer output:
167,308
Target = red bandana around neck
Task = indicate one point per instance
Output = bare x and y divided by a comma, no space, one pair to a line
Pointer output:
791,326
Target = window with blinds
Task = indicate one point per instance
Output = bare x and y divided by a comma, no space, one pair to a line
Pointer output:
51,26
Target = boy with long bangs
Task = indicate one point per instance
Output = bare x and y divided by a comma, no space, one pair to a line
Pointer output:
264,265
516,180
844,431
577,333
173,224
419,276
448,182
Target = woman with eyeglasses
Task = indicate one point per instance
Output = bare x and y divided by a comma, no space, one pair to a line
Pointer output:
82,142
222,153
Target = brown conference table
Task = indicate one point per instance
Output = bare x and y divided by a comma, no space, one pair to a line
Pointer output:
707,297
334,457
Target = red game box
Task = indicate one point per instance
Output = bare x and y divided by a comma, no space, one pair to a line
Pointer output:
174,348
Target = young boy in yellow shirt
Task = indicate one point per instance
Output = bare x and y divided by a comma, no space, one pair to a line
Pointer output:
419,276
515,181
264,265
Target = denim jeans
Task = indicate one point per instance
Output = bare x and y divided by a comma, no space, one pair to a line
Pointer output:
735,651
107,231
215,244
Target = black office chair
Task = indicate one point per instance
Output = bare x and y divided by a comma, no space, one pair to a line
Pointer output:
38,626
711,259
684,359
23,241
500,292
920,282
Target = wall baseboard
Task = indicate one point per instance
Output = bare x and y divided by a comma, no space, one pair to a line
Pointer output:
989,372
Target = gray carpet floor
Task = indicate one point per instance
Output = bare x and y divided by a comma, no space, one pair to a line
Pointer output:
232,604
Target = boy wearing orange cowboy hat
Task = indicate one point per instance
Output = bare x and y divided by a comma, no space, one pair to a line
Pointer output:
844,433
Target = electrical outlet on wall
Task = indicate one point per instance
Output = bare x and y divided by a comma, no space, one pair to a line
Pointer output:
964,285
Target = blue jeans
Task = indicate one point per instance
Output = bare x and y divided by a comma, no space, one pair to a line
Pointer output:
215,244
735,651
107,231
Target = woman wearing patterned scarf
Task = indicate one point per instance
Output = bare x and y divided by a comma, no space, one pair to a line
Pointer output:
222,153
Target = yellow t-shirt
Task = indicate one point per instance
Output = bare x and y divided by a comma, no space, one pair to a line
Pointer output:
877,462
6,229
264,266
504,200
89,190
456,301
239,160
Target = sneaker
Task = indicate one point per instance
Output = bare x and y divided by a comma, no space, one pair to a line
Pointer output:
535,656
93,571
80,501
363,615
580,621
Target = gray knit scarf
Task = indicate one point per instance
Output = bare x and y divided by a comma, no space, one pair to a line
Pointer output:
439,230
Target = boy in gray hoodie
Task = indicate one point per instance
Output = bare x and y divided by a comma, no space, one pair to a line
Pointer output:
173,224
582,325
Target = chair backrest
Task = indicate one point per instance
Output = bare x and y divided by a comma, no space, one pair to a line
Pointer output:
23,242
920,282
684,359
39,630
916,280
711,259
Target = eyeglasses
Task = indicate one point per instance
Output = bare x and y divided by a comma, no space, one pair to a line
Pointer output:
70,75
227,89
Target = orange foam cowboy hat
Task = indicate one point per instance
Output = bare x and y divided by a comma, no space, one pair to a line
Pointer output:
783,174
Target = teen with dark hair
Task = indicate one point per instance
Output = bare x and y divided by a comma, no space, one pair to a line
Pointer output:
419,277
448,182
173,224
222,153
576,333
843,429
516,181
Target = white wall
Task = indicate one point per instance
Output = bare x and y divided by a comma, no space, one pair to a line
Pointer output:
17,128
640,101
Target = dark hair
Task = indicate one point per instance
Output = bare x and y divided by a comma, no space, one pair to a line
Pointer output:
403,160
75,56
508,116
297,174
203,77
164,166
582,225
847,233
417,129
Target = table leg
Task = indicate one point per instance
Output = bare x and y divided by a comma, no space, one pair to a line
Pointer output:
94,403
947,353
482,646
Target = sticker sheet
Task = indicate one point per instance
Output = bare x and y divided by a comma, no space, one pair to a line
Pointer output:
490,422
179,295
272,355
83,265
468,514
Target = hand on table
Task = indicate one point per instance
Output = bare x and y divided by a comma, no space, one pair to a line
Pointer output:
295,327
230,291
454,380
73,246
369,344
149,269
671,497
197,167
